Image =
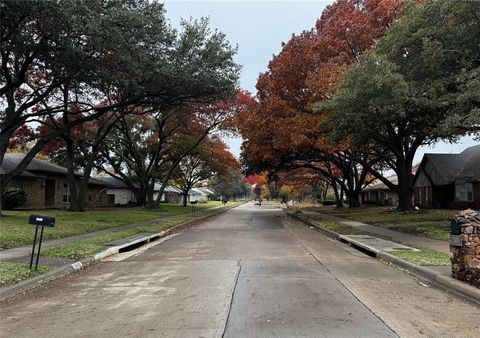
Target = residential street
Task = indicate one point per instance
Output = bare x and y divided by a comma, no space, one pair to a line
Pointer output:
251,272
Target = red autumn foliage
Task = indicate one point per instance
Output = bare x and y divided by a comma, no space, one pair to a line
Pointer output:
281,119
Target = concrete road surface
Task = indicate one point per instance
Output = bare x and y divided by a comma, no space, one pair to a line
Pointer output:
250,272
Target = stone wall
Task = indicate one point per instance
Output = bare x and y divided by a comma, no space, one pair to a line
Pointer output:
466,258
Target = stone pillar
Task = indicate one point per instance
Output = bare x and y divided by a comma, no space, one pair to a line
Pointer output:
466,254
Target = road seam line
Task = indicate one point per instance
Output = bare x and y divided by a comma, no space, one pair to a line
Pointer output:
336,278
232,297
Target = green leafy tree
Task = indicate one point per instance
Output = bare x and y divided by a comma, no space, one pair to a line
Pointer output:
419,86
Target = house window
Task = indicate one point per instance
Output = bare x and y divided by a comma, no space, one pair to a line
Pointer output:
464,192
66,193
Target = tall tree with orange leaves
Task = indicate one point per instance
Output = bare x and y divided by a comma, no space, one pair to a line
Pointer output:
279,126
211,158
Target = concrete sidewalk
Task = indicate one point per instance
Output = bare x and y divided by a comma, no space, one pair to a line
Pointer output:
10,254
397,236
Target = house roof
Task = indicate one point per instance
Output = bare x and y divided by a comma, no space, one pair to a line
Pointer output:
96,181
168,188
471,170
112,182
37,168
463,167
206,191
11,160
378,185
447,165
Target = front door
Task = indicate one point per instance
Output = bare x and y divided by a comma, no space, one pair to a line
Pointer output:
49,193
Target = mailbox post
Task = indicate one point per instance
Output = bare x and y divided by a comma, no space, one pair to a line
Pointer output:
39,221
193,203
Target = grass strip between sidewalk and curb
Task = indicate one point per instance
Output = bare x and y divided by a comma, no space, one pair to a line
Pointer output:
432,223
12,272
448,283
423,256
337,227
93,249
15,232
89,247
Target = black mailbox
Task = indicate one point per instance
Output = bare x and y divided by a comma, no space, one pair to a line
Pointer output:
455,227
193,202
39,221
46,221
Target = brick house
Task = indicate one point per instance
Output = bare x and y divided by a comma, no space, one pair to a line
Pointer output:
378,193
449,180
46,184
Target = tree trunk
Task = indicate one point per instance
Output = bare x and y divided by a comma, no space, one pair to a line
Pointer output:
185,197
353,199
405,188
72,182
149,194
338,199
141,197
83,187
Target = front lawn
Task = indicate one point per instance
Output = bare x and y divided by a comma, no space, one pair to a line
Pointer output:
427,223
14,230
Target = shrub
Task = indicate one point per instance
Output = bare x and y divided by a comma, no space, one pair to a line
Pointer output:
13,198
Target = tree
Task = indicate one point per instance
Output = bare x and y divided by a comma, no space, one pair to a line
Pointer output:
145,149
257,181
70,58
78,150
417,88
48,47
231,186
280,129
211,158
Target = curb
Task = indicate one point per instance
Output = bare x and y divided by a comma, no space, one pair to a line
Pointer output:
37,281
450,284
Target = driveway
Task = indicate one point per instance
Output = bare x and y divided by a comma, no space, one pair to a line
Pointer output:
250,272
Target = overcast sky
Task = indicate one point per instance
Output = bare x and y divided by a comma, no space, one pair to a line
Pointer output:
259,28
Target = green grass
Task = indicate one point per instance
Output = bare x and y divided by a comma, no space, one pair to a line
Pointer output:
14,230
423,257
337,227
427,223
11,273
420,257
